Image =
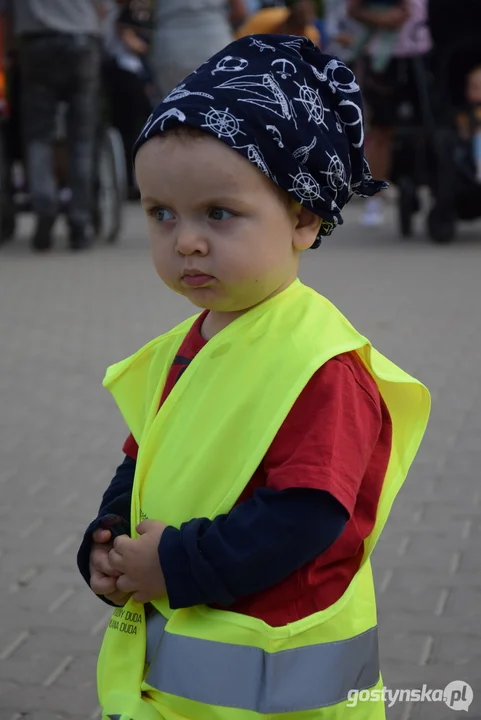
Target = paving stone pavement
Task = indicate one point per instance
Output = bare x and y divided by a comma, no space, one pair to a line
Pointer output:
64,318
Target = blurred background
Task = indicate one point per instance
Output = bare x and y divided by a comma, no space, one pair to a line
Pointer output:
78,79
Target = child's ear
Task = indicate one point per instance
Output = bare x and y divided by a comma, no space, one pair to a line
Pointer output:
306,227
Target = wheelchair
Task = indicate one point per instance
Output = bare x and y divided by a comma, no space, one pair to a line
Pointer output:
110,192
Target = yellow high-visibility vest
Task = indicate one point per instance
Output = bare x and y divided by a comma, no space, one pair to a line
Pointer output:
196,455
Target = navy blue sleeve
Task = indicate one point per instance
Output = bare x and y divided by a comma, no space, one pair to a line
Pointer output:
259,543
117,497
114,513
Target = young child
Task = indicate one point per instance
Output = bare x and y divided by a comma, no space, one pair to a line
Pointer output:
268,438
469,122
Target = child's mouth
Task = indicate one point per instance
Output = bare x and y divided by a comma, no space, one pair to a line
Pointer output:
197,280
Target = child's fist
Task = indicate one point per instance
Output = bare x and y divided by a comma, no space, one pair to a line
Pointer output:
103,577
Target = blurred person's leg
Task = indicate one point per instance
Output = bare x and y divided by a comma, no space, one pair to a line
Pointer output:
381,93
39,68
83,126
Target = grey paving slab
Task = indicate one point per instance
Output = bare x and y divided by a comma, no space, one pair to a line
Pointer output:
64,318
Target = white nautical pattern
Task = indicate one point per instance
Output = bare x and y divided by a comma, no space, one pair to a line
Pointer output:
348,84
321,76
302,153
256,158
277,134
296,116
335,173
264,91
294,45
306,187
180,92
312,103
338,122
261,45
284,68
230,64
358,122
222,123
160,121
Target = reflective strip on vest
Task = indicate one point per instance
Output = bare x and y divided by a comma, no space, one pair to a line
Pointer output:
249,678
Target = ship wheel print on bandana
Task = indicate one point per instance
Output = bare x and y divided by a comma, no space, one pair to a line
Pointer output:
222,123
312,104
306,187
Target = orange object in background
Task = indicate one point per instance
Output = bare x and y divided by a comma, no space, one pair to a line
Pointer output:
273,21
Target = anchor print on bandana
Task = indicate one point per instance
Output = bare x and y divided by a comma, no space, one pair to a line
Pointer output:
284,68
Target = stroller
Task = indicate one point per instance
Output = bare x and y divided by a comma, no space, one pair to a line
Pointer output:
443,160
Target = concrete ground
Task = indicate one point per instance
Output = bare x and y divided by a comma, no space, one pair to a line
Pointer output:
64,318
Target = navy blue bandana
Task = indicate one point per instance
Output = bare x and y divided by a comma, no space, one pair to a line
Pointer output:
291,110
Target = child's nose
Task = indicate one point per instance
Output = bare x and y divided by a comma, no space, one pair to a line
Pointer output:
190,239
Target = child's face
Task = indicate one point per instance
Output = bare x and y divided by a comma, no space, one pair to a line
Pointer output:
211,212
474,87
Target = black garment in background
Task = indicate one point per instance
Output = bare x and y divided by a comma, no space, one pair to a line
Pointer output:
130,107
59,67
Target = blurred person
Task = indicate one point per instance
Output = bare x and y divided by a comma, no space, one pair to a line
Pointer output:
469,120
389,90
341,30
297,17
385,38
59,50
242,556
188,32
129,80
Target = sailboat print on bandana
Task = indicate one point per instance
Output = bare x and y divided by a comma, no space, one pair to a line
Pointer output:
264,91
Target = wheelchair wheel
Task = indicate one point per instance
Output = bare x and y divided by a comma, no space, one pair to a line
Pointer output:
111,186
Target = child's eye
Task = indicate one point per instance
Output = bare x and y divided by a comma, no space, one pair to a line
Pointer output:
220,214
161,214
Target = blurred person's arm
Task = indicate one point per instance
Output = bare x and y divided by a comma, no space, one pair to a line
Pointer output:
392,19
132,40
237,13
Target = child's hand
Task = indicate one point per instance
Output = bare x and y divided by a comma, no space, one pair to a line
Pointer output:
137,562
103,577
